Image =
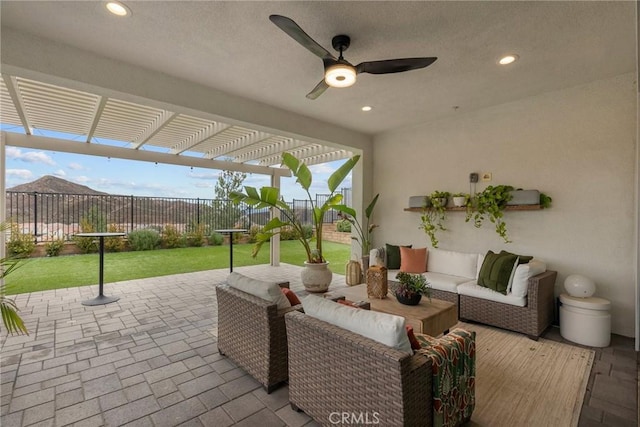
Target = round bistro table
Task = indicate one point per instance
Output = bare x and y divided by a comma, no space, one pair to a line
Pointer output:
101,298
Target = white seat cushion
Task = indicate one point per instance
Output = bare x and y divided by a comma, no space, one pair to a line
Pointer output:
269,291
384,328
444,282
453,263
473,290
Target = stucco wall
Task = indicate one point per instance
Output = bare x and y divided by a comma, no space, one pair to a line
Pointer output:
577,145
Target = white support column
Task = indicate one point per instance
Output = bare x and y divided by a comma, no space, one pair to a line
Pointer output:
275,240
3,196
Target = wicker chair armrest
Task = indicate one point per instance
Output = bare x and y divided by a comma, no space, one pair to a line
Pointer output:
245,296
541,288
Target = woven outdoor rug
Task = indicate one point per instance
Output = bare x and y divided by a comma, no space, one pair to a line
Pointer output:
521,382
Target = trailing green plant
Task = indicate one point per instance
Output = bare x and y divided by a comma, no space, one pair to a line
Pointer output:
363,234
114,244
8,309
216,239
172,238
343,226
144,240
54,247
490,204
432,218
20,245
411,284
545,201
86,244
269,197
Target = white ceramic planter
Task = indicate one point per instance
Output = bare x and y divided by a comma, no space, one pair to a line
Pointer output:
316,277
459,201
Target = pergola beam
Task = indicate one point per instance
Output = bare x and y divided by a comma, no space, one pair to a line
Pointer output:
67,146
243,141
199,137
14,92
97,113
307,152
158,124
269,150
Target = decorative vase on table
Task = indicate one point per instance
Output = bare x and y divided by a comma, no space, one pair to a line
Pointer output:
316,276
353,272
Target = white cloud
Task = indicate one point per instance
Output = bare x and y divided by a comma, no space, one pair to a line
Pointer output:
76,166
205,175
82,179
29,156
203,185
322,168
20,173
60,173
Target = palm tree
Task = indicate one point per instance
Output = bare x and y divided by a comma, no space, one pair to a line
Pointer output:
10,317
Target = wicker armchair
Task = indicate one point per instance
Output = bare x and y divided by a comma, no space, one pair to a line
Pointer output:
251,332
340,377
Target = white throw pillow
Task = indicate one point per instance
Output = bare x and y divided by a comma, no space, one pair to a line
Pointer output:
269,291
453,263
479,265
384,328
524,272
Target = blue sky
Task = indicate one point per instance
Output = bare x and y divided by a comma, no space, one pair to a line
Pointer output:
126,177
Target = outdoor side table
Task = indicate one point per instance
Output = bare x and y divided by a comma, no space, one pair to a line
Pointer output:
230,232
101,298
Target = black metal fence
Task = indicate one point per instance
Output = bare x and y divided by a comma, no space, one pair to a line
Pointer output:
50,216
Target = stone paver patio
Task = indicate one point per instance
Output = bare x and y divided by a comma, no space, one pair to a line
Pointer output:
151,359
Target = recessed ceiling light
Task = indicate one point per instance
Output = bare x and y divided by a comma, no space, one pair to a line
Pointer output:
508,59
367,108
118,8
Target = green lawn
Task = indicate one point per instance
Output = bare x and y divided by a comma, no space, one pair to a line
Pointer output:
39,274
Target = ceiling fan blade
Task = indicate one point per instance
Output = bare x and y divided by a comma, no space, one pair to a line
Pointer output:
295,32
318,90
389,66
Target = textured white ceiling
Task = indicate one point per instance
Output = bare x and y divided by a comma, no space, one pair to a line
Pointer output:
233,47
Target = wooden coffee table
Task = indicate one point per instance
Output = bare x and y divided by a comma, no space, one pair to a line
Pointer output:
429,317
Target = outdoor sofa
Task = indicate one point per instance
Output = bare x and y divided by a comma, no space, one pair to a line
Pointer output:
527,307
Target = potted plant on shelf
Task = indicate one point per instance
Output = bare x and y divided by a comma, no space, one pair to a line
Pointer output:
316,275
432,218
363,236
491,203
460,200
10,318
410,288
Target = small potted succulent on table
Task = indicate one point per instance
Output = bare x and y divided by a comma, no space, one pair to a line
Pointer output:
410,288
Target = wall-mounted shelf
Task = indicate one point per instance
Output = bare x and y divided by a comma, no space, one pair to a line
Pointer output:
507,208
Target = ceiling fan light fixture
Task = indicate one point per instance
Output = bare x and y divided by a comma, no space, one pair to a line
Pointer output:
508,59
340,75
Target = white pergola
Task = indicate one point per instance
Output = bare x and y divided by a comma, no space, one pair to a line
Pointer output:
100,125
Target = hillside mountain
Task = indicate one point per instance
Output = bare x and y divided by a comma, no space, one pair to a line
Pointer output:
52,184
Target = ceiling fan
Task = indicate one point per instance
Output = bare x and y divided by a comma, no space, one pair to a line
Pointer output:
338,72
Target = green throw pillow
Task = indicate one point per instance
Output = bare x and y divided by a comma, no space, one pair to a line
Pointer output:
393,256
522,259
496,270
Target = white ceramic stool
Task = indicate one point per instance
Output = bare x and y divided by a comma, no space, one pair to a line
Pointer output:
585,321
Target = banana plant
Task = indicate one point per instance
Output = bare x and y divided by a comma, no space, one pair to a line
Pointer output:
363,233
269,197
8,308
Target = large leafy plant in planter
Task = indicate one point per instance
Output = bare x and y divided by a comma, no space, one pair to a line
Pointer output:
363,234
269,197
10,318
